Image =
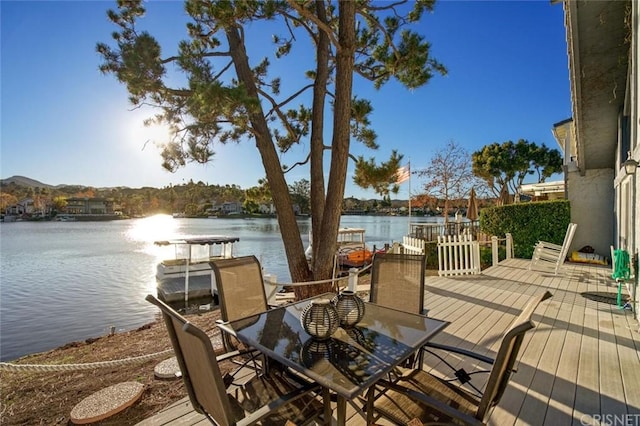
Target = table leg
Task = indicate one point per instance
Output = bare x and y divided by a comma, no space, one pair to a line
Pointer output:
341,410
326,400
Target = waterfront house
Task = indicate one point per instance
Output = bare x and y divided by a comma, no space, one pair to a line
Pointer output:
86,205
267,208
601,139
25,206
232,207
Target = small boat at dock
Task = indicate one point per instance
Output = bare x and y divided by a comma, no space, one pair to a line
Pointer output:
188,273
352,251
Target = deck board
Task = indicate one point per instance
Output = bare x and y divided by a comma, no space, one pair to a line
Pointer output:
582,360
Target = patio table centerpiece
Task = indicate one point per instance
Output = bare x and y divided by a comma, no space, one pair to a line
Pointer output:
320,319
350,308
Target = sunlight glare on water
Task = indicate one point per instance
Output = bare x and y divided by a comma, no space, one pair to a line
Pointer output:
153,228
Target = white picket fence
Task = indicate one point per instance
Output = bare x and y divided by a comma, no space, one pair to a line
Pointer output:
458,255
412,245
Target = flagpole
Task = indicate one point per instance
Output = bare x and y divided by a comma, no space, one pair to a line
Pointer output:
409,224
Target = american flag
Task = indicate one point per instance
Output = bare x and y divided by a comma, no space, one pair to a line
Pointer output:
403,174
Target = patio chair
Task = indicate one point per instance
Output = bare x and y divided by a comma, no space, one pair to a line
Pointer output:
241,290
270,398
397,281
419,396
548,255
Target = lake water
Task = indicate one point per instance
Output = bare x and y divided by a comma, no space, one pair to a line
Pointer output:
67,281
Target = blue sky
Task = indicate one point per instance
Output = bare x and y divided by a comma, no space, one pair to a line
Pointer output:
63,122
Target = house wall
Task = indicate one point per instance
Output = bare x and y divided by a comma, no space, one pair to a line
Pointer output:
593,213
635,149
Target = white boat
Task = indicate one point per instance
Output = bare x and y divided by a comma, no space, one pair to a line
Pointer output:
188,273
65,218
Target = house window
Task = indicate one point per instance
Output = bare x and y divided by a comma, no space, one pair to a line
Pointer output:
625,138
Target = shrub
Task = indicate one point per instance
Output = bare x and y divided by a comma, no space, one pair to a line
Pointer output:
528,223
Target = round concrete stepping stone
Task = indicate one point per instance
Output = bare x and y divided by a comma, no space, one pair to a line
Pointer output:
168,369
106,402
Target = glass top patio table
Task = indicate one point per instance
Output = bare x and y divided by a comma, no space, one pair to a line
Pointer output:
352,359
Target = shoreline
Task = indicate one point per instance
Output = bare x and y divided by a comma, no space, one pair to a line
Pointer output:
55,393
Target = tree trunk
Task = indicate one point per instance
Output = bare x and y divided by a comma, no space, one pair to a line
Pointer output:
317,129
294,250
340,142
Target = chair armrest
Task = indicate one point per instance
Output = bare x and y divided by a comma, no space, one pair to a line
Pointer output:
545,244
548,255
432,345
432,402
228,355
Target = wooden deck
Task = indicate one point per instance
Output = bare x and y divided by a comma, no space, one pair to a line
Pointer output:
580,366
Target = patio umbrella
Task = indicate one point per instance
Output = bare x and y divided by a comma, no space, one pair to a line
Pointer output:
472,207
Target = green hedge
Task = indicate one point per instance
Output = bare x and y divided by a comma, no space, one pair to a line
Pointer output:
527,223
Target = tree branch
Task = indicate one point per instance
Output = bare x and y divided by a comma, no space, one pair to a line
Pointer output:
321,25
204,55
306,160
299,163
286,101
383,30
226,67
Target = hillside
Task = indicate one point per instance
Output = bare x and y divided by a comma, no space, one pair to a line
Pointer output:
24,181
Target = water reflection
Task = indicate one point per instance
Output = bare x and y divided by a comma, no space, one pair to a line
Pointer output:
152,228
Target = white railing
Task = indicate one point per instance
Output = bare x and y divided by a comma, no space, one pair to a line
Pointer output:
458,255
495,242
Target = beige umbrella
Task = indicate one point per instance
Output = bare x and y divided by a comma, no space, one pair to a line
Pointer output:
472,207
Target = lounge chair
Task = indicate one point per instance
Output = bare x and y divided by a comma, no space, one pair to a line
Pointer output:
418,397
547,255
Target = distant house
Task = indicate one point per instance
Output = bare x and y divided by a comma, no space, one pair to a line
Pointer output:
232,207
23,207
78,205
544,190
226,208
267,208
28,207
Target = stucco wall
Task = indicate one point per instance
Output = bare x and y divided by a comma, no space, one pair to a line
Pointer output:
591,197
